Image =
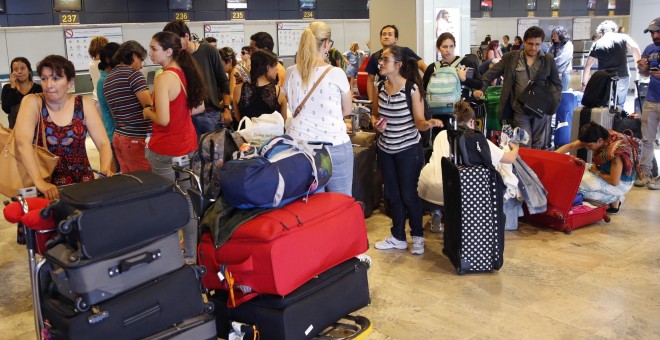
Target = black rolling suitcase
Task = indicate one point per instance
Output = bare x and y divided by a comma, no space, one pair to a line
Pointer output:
367,182
141,312
117,213
305,312
367,178
87,282
201,327
474,218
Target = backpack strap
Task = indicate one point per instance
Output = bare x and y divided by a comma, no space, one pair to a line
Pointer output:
456,62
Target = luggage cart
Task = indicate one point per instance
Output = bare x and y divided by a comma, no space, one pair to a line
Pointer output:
35,259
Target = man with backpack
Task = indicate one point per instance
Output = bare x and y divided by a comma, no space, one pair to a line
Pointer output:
519,69
611,51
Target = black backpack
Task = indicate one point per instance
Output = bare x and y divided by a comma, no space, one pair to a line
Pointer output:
426,135
598,91
471,147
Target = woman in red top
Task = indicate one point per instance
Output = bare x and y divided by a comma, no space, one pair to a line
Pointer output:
178,93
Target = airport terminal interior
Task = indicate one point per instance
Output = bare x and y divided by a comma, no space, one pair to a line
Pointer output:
600,282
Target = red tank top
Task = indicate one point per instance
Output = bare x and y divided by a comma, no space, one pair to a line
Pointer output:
178,138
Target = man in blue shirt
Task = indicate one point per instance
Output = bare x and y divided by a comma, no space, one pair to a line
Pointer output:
648,67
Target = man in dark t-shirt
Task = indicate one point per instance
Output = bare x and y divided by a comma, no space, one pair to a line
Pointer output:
389,35
611,51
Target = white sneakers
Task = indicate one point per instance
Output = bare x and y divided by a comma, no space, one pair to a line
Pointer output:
417,245
392,243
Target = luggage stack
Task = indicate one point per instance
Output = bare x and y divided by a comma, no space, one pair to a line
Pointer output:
116,269
289,272
601,111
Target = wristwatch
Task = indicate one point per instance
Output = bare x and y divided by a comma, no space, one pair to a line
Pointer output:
226,107
147,106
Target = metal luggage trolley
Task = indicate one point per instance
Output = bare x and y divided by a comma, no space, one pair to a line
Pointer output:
35,258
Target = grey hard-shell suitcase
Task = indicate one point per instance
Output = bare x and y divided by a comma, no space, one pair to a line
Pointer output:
87,282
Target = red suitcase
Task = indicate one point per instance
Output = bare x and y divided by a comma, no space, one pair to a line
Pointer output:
561,175
362,80
278,251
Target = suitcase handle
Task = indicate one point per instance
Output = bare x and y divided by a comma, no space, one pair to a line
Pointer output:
126,264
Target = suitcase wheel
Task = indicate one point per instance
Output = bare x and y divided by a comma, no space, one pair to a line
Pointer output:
81,305
459,271
66,226
209,307
606,218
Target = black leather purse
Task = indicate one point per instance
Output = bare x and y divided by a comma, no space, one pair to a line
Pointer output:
537,99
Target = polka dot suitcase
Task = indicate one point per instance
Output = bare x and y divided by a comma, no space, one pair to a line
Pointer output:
474,218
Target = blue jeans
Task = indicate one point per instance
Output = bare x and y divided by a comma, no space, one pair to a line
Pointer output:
400,175
622,90
565,80
162,165
206,122
342,169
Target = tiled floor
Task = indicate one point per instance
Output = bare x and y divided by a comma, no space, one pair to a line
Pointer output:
602,281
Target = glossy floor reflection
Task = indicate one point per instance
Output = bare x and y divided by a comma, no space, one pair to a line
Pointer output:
602,281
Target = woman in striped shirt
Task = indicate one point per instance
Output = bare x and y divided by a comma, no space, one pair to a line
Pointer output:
399,149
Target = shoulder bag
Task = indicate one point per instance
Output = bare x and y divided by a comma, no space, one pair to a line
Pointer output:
13,175
316,83
537,100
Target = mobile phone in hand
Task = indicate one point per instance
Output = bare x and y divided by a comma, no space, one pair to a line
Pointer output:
381,122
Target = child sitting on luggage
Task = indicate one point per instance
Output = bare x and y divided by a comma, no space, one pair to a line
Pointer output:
615,164
429,187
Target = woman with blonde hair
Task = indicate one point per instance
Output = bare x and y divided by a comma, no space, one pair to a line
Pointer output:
320,96
354,57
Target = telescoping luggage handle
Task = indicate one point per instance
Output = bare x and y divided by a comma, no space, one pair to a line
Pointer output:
614,95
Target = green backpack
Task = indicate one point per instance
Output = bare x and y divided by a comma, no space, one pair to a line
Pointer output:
444,88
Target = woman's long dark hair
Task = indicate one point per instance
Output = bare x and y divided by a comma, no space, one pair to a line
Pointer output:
260,60
196,89
409,68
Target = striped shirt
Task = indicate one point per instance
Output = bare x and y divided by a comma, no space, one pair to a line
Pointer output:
400,132
120,89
